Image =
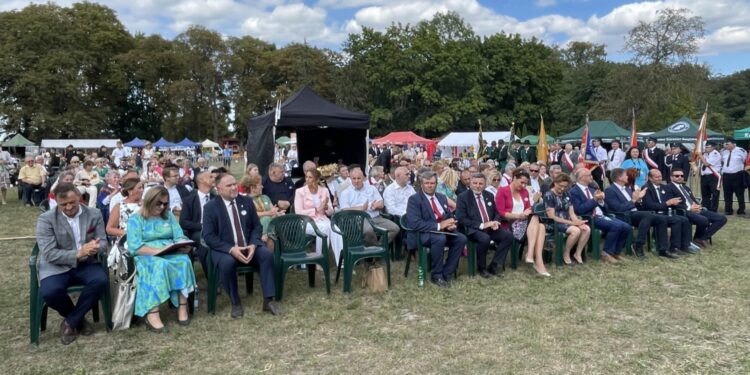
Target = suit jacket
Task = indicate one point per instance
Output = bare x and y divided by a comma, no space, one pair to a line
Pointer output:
57,245
421,218
573,160
190,218
674,192
583,205
218,230
468,214
504,202
677,161
657,156
615,201
651,201
384,160
527,155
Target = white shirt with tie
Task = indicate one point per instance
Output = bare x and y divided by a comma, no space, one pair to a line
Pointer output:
714,160
228,204
431,198
733,161
625,194
615,157
204,198
586,192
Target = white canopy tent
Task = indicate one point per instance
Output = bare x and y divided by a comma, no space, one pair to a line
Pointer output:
79,143
209,144
458,142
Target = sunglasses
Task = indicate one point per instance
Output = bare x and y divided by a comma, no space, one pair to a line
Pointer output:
533,170
162,204
678,175
495,179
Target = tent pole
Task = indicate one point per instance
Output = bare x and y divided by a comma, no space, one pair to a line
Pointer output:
367,149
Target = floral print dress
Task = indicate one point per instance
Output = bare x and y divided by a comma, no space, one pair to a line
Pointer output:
159,277
561,204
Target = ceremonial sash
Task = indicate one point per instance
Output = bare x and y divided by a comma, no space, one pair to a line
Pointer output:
568,162
650,162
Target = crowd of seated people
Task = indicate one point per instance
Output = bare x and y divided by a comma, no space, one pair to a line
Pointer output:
490,204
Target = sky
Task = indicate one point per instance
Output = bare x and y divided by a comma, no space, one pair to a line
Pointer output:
326,23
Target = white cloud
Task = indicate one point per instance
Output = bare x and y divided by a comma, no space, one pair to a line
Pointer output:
293,22
544,3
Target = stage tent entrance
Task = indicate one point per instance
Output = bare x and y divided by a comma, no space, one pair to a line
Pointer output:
323,129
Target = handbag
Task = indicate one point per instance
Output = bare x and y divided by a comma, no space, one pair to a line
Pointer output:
119,260
375,279
518,228
122,313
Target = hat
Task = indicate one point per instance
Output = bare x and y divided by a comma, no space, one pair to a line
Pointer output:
526,142
651,139
711,143
729,140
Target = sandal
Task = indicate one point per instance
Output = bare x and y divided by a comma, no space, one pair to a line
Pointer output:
185,322
153,329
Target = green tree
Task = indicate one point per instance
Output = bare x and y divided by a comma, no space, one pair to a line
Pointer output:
672,38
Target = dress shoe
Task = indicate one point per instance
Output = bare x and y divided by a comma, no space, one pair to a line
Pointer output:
68,334
271,307
485,274
685,251
441,283
185,322
638,250
86,328
237,311
702,243
669,254
494,272
162,329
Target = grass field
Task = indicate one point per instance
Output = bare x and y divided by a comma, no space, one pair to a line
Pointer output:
650,317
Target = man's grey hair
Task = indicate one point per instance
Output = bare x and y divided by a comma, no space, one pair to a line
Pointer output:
555,167
428,175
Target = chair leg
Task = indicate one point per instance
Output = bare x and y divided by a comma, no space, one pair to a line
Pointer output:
338,267
348,268
280,282
311,269
408,263
249,283
211,290
326,272
514,254
388,271
423,263
559,248
35,317
595,243
107,307
95,312
472,260
43,320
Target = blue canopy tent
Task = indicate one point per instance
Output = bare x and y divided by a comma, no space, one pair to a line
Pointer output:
188,143
163,143
136,142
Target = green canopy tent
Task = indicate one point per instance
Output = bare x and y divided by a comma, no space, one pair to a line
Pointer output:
284,140
684,130
607,130
18,141
742,134
534,139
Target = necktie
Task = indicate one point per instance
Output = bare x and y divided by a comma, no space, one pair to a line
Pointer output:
729,159
435,209
482,210
237,227
611,158
588,195
658,196
688,201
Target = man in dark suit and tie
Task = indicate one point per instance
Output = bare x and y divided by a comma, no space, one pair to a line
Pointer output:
191,218
427,212
588,201
69,238
476,213
654,156
231,230
384,159
656,199
677,160
706,223
624,200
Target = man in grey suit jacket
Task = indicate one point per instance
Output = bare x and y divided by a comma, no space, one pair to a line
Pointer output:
69,239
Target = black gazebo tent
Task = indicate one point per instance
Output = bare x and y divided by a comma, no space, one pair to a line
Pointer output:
323,129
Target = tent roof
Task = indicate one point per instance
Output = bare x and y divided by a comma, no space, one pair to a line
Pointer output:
307,109
534,139
402,138
187,143
136,142
79,143
207,143
607,130
742,134
465,139
684,130
18,140
163,143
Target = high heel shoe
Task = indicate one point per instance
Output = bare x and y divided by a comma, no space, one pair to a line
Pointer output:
185,322
579,261
153,329
545,273
529,261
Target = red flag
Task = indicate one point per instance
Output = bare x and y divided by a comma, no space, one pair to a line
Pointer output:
701,137
587,149
633,134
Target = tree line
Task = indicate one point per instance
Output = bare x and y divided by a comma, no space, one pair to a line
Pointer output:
75,72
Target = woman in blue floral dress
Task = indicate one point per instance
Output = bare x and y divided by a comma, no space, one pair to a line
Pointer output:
558,208
159,278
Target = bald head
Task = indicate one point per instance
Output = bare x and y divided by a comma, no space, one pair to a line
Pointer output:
205,182
401,175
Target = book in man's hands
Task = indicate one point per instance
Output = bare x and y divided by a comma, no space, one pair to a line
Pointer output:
175,247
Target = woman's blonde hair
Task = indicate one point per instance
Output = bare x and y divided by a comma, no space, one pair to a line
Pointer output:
450,178
494,173
151,199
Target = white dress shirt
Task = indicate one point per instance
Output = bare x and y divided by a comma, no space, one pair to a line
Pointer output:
231,218
396,198
734,164
616,160
353,197
601,154
714,160
587,194
75,226
203,197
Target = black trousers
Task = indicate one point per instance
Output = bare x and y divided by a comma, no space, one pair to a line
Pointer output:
681,233
201,252
706,223
262,261
597,174
709,192
734,186
645,221
54,291
503,240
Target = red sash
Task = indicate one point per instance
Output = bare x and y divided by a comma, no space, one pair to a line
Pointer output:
568,162
650,162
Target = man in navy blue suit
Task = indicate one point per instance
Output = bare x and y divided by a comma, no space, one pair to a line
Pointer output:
588,201
656,199
428,213
706,223
232,231
475,211
620,198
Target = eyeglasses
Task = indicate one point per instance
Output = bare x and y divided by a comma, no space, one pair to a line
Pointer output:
495,179
678,176
162,204
534,170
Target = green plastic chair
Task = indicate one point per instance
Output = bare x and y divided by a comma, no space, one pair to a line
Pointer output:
38,308
213,280
625,216
556,236
423,253
350,225
290,249
595,241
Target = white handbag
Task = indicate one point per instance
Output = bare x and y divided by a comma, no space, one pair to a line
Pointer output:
122,313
